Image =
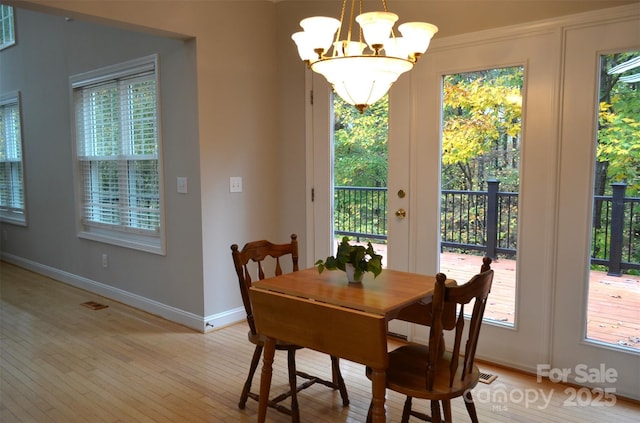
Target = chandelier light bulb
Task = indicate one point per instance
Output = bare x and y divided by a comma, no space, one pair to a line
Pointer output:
348,48
417,35
320,31
396,47
376,27
305,49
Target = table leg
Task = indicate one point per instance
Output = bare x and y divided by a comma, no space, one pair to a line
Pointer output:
265,378
379,387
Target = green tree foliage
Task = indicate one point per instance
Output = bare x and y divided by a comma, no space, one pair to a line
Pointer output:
482,114
360,144
618,149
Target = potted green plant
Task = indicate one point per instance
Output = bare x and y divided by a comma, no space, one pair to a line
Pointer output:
353,259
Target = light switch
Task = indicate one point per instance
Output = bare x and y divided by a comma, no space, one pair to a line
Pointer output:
182,185
235,184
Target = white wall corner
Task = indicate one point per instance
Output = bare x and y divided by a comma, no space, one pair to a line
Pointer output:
224,319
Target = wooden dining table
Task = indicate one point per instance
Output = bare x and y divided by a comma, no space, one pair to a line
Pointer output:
326,313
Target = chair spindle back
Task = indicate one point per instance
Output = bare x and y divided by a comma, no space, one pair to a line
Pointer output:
477,288
257,252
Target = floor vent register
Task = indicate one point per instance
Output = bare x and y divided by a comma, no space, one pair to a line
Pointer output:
487,377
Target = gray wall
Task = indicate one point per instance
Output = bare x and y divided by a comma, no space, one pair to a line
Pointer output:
219,120
49,49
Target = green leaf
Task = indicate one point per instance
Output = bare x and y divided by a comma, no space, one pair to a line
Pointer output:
364,259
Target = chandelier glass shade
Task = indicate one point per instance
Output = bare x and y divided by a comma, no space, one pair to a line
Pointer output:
361,68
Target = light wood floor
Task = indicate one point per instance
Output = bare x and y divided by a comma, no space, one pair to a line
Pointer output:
63,362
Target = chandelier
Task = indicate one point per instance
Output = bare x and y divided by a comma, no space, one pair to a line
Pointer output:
362,68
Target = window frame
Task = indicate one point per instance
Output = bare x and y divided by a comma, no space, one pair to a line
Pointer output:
116,234
17,216
9,18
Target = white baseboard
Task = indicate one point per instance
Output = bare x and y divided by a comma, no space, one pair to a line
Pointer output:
185,318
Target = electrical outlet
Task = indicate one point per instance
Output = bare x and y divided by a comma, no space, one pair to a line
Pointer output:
105,261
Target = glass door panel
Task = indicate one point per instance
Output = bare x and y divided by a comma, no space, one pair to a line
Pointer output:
480,179
354,183
613,308
360,173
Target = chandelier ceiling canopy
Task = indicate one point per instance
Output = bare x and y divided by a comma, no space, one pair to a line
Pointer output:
361,68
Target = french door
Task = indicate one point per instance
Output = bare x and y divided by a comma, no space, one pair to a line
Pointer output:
520,345
320,155
614,369
555,184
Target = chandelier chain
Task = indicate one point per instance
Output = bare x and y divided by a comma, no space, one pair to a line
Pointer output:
386,9
351,18
360,33
339,32
351,21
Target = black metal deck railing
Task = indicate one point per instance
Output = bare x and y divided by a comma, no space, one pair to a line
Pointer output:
360,212
486,221
616,231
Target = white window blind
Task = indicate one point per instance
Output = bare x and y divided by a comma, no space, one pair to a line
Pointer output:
11,166
117,155
7,28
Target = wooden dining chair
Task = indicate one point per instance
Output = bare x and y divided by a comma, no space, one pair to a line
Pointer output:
255,255
428,371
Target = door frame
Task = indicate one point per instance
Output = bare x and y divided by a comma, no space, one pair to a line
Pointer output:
319,156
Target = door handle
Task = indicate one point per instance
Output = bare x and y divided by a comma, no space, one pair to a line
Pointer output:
401,213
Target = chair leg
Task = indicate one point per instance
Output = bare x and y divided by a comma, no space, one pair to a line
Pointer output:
257,353
446,408
435,411
406,411
293,385
338,380
370,412
471,408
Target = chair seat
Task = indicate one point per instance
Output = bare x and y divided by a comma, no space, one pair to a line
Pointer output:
407,375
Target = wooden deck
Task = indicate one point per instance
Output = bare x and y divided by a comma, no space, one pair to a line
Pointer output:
614,302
